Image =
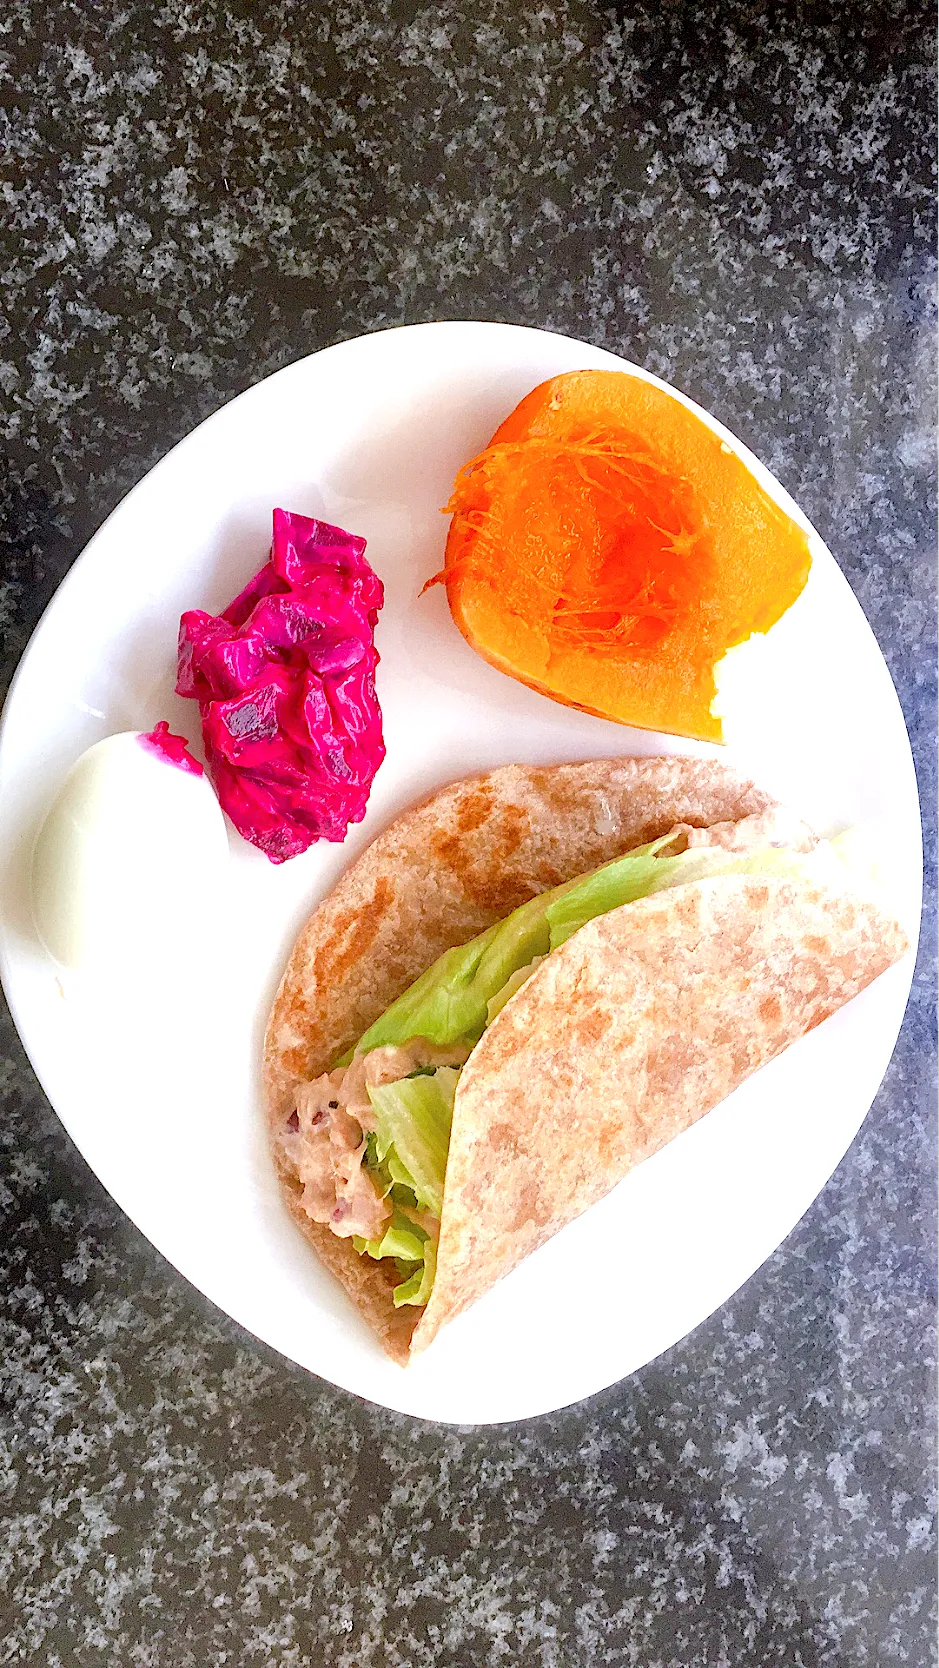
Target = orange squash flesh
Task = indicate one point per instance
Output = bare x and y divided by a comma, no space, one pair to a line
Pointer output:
607,548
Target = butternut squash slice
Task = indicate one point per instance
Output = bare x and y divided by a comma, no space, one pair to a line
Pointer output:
607,549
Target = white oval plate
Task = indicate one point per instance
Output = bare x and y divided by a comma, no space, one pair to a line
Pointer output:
161,1095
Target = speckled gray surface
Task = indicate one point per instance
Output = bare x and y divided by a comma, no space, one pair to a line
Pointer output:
740,197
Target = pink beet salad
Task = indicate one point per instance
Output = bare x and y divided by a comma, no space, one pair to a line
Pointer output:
285,680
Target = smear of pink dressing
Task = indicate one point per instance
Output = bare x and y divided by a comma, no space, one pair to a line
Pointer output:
285,681
174,749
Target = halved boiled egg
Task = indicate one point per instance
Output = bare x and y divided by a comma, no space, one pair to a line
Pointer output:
128,861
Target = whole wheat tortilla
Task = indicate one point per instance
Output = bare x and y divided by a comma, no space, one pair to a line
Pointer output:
442,873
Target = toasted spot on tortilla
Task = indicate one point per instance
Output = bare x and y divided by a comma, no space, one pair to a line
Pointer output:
667,1064
474,807
486,871
529,1207
503,1139
296,1060
353,934
590,1027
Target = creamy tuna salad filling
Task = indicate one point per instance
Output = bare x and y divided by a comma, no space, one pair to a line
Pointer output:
368,1141
325,1139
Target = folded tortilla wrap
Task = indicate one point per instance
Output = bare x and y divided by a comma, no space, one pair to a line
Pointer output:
639,1023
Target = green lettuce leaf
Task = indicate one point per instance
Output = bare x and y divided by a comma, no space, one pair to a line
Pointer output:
415,1255
407,1152
639,874
448,1003
402,1238
412,1132
418,1287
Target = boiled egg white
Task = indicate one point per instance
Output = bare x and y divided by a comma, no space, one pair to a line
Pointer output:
128,863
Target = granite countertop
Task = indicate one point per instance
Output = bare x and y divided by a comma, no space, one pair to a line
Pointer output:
740,197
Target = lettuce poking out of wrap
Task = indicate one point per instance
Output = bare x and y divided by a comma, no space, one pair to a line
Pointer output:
407,1152
454,1001
412,1133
